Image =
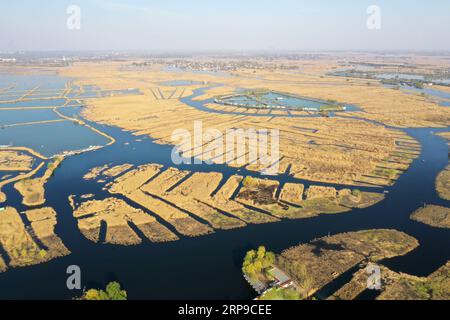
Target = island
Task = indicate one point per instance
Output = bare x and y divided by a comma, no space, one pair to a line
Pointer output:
435,216
303,271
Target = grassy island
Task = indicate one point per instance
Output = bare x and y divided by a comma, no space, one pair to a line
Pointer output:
198,203
33,190
443,184
435,216
300,272
32,244
120,219
295,203
194,205
11,160
399,286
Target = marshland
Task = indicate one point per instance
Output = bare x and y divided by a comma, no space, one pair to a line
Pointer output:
126,212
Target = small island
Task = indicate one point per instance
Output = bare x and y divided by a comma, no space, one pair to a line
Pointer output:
435,216
30,243
295,202
443,179
33,190
121,221
302,272
198,203
443,184
399,286
11,160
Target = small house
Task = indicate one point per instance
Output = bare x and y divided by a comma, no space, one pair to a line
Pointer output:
282,280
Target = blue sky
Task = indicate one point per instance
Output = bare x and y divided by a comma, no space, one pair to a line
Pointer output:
215,25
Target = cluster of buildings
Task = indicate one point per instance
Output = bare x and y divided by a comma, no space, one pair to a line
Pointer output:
216,65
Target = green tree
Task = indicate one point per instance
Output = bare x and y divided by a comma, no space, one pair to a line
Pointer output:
261,253
93,295
250,256
256,262
356,193
115,292
269,259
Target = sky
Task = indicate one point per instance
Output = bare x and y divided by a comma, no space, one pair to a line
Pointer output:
224,25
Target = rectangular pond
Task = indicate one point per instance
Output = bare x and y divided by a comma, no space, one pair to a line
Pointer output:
52,138
8,117
34,103
29,82
275,100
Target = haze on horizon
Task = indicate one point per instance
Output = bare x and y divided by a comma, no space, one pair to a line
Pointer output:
232,25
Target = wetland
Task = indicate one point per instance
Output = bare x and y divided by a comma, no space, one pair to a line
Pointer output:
119,208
